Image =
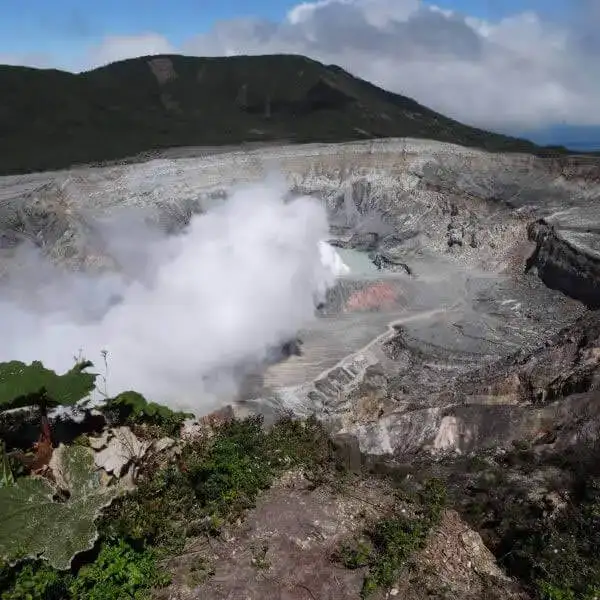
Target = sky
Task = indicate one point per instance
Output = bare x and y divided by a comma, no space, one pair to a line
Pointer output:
508,65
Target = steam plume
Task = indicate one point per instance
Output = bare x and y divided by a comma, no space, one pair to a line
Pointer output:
189,312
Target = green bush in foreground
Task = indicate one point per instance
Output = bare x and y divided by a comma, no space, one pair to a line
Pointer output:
38,582
131,408
158,514
355,555
120,572
549,591
550,544
215,481
243,460
228,475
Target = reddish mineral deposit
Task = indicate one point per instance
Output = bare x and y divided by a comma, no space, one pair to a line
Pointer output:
378,295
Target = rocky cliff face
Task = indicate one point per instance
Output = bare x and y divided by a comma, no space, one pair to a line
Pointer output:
564,266
445,228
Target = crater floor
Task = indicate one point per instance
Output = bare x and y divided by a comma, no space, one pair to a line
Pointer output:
435,236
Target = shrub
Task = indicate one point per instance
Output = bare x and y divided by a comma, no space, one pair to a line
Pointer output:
33,385
157,514
119,572
131,408
215,480
38,582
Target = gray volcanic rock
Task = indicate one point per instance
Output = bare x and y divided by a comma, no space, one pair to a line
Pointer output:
447,228
565,265
521,397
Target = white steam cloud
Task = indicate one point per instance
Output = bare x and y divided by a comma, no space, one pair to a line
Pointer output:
191,311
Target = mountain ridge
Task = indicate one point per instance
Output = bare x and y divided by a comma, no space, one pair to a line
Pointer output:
52,119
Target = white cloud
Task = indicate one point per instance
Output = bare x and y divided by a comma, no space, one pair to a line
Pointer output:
302,12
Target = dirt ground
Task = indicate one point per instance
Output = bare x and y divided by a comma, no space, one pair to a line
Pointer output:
283,551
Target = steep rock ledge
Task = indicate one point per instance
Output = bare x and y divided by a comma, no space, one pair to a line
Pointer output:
563,266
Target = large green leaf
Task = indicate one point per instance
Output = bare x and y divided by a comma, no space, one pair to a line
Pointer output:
23,385
34,524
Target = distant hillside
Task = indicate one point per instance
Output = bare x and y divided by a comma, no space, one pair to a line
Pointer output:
52,119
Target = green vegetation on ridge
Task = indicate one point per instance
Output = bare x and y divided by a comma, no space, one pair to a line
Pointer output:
52,119
548,540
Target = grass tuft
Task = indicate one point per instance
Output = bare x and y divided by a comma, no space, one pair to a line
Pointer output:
388,545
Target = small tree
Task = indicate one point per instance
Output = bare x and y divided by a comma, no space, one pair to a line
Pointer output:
23,385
